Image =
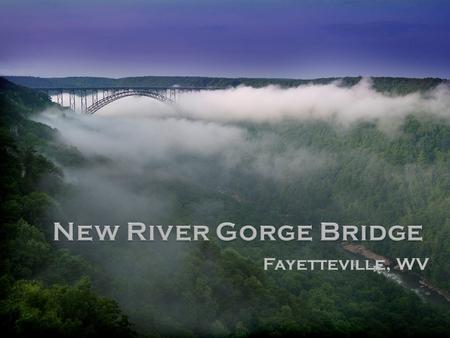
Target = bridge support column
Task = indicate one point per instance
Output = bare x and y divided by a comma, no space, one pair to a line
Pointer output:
94,96
83,101
60,98
72,99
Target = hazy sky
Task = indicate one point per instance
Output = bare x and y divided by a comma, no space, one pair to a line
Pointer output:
284,38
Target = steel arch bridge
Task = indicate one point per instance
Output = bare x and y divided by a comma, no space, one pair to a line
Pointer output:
117,95
90,100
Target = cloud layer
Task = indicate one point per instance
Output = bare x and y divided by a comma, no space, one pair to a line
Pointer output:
331,101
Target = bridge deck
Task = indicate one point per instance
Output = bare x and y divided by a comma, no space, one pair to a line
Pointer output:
127,88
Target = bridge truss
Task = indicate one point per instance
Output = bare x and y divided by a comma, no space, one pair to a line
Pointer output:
90,100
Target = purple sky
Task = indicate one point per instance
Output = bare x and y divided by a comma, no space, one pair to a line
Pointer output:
284,38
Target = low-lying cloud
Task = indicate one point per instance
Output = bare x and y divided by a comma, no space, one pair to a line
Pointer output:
134,137
330,101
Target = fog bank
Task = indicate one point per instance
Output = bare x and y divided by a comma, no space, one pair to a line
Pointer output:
330,101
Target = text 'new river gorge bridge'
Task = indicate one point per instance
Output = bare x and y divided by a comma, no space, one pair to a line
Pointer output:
90,100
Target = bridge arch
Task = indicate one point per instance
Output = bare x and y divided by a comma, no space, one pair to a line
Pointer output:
117,95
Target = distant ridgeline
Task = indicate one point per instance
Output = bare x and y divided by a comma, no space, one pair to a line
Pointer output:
385,84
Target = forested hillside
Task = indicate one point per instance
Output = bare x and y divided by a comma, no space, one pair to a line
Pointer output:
44,290
290,171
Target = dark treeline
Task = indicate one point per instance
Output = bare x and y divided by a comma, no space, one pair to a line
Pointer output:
388,84
212,288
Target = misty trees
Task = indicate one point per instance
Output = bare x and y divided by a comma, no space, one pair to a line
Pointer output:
31,300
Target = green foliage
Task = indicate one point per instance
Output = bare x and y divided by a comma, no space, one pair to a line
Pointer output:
61,311
28,251
218,292
29,184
